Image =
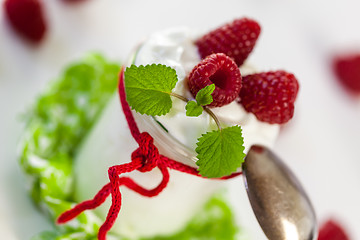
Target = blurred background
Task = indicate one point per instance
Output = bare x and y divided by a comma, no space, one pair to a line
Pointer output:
321,144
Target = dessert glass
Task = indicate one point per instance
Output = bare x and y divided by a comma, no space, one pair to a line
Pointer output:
110,143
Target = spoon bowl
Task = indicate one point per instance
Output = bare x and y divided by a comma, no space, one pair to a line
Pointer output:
278,200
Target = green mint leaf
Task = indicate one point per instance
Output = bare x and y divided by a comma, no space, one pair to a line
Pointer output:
220,152
193,109
148,88
203,97
47,235
56,126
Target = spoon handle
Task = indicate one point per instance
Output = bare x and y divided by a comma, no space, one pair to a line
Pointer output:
278,200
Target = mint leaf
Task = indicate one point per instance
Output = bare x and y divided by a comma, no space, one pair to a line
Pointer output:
215,220
148,88
220,152
193,109
203,97
56,126
47,235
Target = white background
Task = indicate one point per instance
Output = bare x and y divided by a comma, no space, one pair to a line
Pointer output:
321,144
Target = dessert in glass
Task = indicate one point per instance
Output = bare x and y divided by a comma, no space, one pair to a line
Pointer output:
171,211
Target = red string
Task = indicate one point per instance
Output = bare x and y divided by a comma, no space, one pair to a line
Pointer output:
143,159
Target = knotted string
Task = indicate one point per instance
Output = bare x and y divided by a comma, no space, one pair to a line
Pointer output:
144,159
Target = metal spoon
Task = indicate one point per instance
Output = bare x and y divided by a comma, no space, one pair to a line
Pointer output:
279,202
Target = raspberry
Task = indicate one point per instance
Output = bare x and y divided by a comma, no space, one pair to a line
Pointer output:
347,69
270,95
221,70
236,39
332,231
27,18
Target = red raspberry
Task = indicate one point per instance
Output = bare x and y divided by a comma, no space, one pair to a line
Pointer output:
27,18
221,70
236,39
332,231
270,95
347,69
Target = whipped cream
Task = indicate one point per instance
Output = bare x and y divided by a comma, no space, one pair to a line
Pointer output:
110,143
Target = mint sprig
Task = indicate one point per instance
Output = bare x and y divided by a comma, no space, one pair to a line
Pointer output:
149,90
193,109
203,98
220,152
